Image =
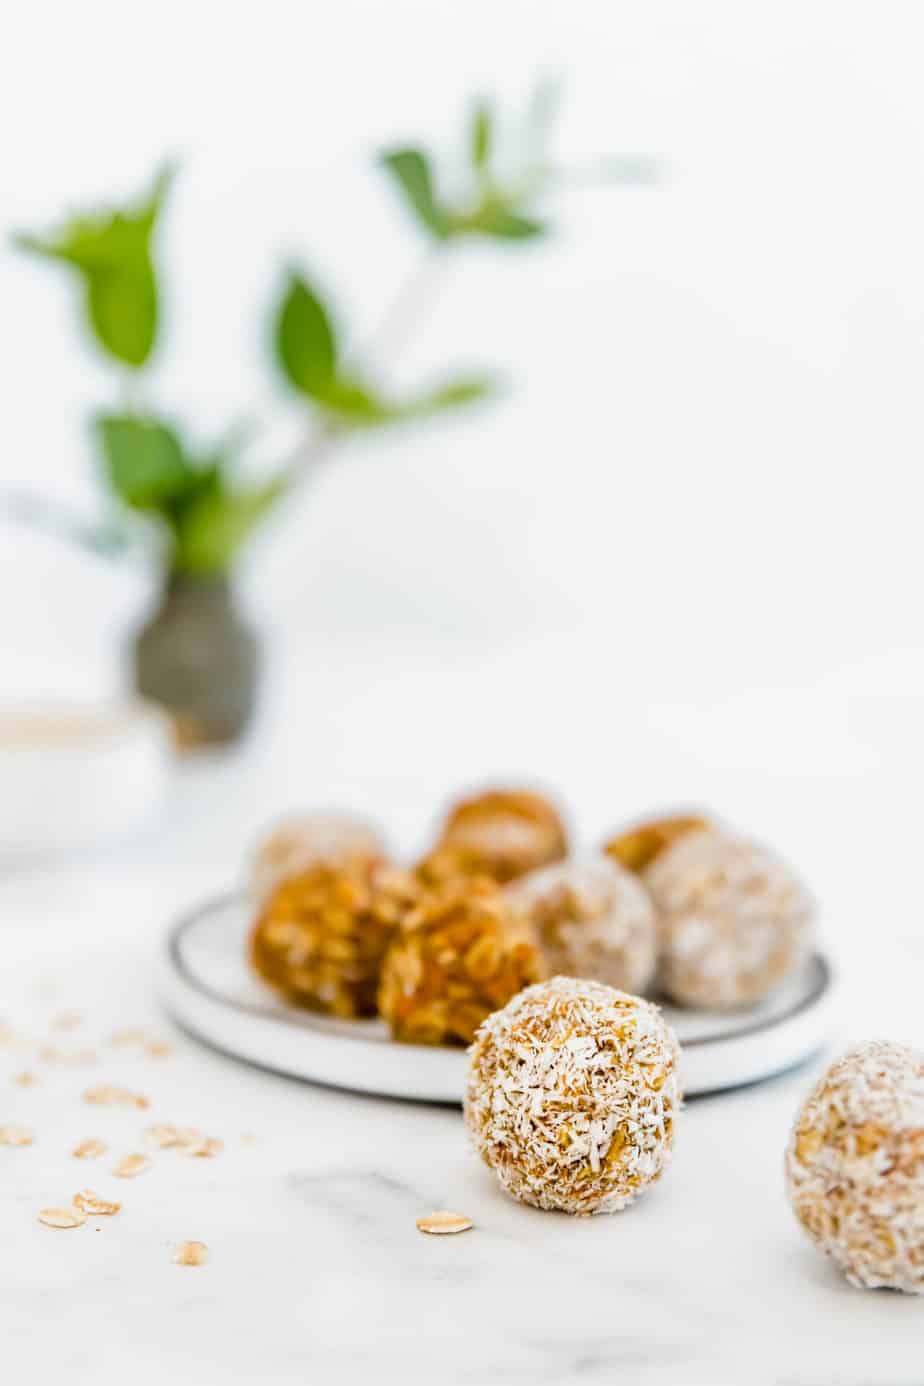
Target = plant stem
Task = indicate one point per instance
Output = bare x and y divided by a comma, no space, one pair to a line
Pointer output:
404,311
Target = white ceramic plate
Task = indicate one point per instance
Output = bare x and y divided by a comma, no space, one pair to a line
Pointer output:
210,990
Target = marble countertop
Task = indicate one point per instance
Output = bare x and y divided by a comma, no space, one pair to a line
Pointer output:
316,1270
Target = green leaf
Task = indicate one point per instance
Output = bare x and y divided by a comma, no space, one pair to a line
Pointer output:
306,346
359,407
482,134
452,395
112,253
144,460
214,528
411,170
123,310
507,225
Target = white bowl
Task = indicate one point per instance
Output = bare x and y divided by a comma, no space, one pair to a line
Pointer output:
75,776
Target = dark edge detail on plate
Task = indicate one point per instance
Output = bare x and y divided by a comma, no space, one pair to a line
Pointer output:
820,964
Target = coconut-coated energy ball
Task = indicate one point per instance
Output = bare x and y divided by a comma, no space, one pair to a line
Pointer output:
854,1166
733,920
592,919
321,935
304,839
571,1096
501,833
636,848
461,953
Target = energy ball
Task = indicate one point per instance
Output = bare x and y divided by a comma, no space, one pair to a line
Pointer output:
592,919
461,953
855,1166
321,935
637,847
733,920
571,1095
300,841
501,834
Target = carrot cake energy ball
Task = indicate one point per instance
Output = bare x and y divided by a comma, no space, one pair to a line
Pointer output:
592,919
637,847
461,953
298,842
321,935
855,1166
733,920
571,1096
501,833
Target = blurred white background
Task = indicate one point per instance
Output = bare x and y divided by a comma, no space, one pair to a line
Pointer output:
681,559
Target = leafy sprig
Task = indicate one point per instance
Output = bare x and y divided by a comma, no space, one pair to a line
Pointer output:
199,505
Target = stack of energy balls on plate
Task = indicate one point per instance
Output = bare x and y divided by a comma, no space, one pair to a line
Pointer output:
541,962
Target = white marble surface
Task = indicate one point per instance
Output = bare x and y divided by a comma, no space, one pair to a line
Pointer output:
317,1272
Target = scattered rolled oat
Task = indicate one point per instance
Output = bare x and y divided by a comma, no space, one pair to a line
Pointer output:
462,953
571,1095
89,1149
66,1020
205,1149
298,843
16,1135
854,1166
90,1203
592,919
107,1096
126,1038
162,1136
51,1054
321,936
500,833
734,921
190,1254
444,1224
636,848
158,1049
130,1165
25,1080
62,1217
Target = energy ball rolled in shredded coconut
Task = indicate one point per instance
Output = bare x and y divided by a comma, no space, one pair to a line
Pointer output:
854,1166
592,919
306,839
733,920
571,1095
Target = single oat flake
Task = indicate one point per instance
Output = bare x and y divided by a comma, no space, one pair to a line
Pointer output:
105,1095
131,1165
25,1080
90,1203
62,1217
162,1136
190,1254
15,1135
89,1149
444,1224
205,1149
66,1020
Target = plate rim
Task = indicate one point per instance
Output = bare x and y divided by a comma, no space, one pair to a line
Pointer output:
822,984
